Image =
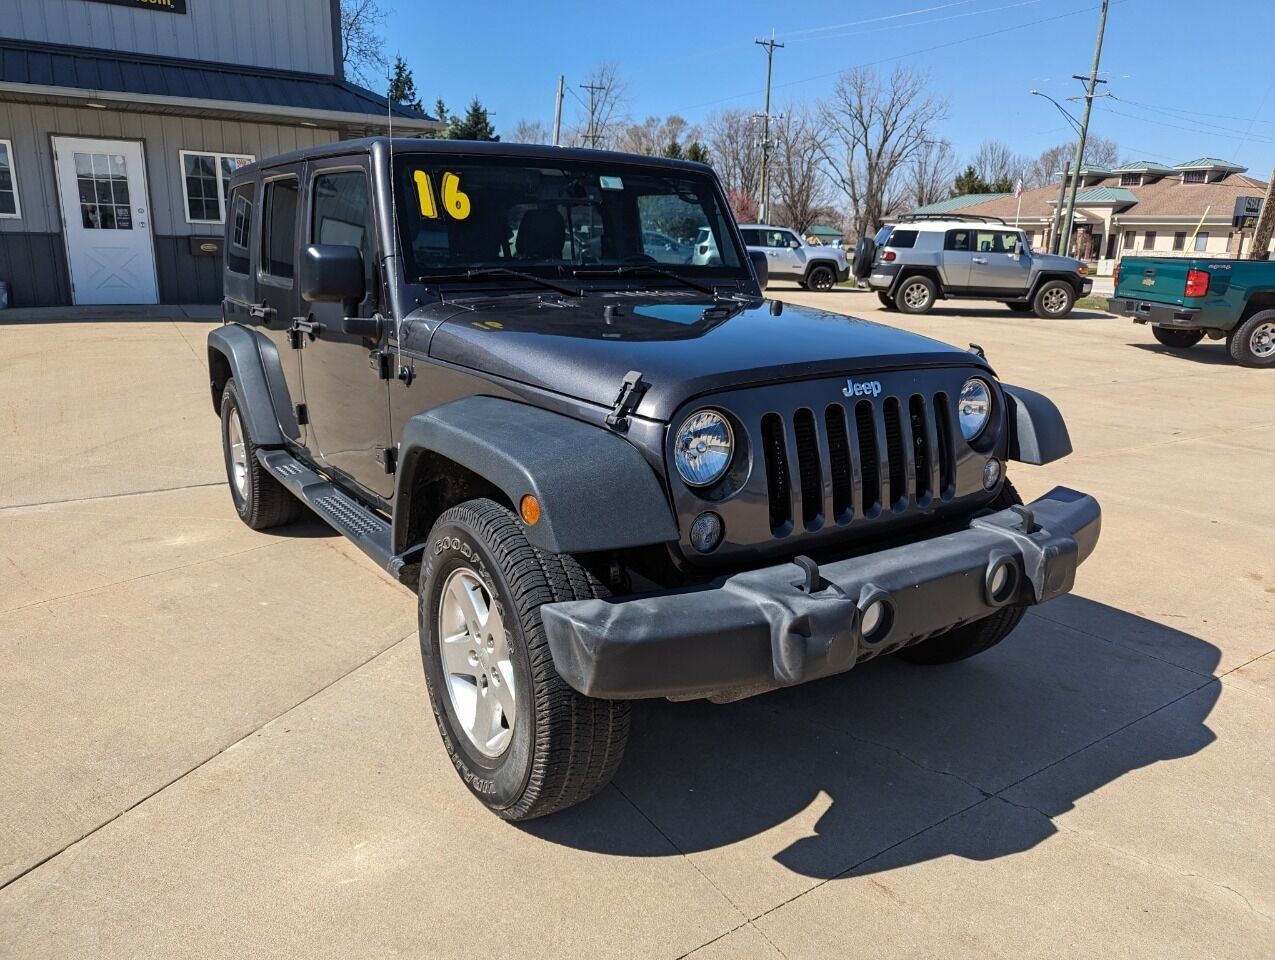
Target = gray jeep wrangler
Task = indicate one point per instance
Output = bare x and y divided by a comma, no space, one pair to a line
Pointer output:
605,477
929,257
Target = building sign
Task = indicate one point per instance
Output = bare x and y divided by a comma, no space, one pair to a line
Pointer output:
159,6
1246,212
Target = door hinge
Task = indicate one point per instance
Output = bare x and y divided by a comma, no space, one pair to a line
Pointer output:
626,401
301,328
387,457
303,415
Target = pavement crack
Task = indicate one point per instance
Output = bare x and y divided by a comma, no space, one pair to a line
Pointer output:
205,761
110,496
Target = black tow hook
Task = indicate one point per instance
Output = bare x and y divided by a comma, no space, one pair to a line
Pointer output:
812,582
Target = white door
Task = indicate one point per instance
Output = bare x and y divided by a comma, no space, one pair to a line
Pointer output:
106,217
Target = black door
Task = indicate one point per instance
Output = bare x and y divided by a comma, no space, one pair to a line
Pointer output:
346,400
276,297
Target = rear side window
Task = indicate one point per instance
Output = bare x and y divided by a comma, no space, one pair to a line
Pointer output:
957,240
279,228
239,227
752,238
902,239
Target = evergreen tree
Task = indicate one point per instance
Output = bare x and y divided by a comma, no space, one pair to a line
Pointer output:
696,151
970,182
674,150
475,125
403,87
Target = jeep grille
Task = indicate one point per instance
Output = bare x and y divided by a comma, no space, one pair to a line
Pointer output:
871,455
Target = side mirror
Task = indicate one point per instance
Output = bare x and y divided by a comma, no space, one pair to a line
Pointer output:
795,244
332,273
761,267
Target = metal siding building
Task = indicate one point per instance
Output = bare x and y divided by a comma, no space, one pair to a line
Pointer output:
165,102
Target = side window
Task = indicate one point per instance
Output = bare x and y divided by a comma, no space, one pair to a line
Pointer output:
903,239
239,227
342,211
279,228
998,241
752,238
958,240
776,238
790,238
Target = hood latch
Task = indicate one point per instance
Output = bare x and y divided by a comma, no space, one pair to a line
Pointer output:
626,401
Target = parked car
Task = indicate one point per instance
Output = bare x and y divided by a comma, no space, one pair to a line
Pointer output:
923,259
790,258
705,254
608,480
1187,299
663,248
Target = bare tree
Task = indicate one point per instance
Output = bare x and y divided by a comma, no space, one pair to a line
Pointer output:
529,131
796,168
608,97
655,137
361,44
999,166
928,178
1100,151
876,128
734,149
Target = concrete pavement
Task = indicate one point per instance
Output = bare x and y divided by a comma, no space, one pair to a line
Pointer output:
216,743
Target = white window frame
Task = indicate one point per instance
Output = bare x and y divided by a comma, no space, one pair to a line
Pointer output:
13,176
221,187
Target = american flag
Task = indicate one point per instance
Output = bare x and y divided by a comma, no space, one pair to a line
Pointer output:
1018,187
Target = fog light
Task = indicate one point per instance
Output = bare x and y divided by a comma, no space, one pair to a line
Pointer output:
991,473
874,622
706,532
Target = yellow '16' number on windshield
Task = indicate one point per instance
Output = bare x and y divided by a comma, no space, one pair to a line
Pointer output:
455,201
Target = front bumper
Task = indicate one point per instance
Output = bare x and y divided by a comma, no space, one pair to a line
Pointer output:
843,273
1157,314
781,626
1086,285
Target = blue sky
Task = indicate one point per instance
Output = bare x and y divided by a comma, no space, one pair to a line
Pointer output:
1186,79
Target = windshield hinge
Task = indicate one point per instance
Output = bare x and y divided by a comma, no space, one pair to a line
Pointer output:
626,400
383,363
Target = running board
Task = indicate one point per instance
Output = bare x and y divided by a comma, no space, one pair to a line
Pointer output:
368,530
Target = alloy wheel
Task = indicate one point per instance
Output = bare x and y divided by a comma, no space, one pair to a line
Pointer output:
916,295
238,454
1055,300
1262,340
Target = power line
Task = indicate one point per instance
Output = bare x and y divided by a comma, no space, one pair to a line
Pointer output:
921,23
763,207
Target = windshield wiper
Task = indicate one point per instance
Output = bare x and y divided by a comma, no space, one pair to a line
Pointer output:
635,269
479,273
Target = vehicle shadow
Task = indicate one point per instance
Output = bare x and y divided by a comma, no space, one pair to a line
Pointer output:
893,748
1209,352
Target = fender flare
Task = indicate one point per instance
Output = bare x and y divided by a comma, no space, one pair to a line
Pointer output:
240,351
828,262
924,270
596,490
1037,431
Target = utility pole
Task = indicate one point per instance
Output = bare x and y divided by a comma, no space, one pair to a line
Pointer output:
1084,124
763,205
594,89
1265,225
557,111
1057,243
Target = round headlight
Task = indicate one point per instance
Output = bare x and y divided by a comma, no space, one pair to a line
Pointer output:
974,408
702,448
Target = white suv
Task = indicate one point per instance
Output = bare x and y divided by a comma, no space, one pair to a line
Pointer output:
816,267
924,258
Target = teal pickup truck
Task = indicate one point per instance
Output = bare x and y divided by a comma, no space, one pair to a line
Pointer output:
1188,299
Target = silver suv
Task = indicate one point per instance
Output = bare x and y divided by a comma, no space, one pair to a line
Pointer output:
816,267
922,259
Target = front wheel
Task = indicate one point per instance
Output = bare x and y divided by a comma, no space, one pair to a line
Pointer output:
916,295
1054,300
524,742
821,278
1252,343
970,639
1177,338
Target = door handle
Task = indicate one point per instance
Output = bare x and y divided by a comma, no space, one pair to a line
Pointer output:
980,259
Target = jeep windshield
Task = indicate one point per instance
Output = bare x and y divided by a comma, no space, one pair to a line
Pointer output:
479,219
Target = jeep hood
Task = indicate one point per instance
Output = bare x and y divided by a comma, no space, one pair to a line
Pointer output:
1051,261
583,348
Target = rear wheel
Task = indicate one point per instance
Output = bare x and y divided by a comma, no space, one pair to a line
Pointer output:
970,638
916,295
524,742
821,278
260,500
887,301
1252,343
1054,299
1177,338
1020,306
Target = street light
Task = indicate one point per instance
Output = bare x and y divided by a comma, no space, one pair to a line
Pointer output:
1075,124
1060,242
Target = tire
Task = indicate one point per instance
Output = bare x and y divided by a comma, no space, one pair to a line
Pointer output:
260,500
1054,299
560,747
887,301
970,639
1019,306
916,295
821,278
1177,338
1252,343
865,253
